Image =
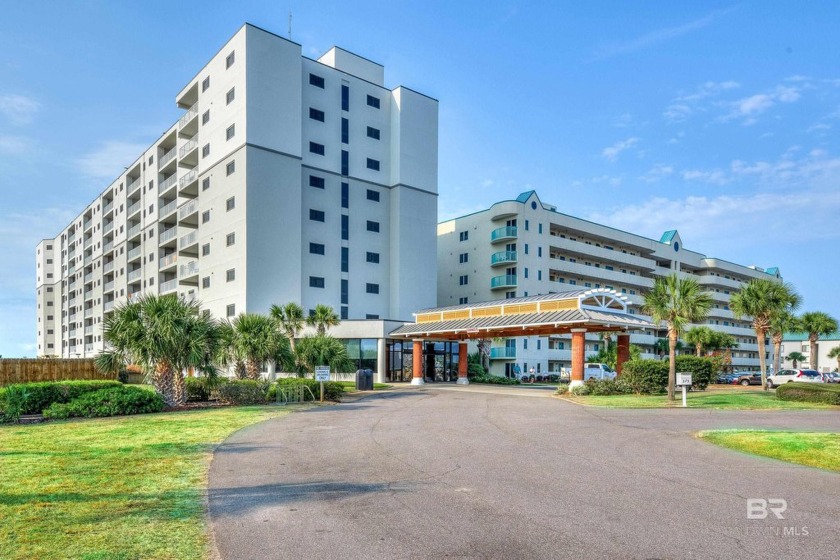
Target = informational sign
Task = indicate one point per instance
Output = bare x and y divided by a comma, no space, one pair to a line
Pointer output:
322,373
683,379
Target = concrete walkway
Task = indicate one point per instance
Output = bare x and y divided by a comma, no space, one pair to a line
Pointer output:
481,472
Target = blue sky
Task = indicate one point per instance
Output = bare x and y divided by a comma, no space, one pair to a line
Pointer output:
719,119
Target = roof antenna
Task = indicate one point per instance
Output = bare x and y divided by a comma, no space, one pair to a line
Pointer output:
290,25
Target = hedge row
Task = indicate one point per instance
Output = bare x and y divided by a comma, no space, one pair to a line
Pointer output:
809,392
651,376
332,390
248,391
113,401
493,380
38,396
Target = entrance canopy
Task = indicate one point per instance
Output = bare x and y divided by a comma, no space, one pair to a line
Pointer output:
592,310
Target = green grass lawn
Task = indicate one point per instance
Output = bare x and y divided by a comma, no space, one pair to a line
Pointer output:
114,488
350,386
735,398
821,450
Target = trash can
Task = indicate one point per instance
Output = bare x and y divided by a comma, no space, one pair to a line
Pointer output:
364,380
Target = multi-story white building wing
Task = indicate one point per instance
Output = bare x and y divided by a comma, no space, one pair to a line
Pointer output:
285,179
525,247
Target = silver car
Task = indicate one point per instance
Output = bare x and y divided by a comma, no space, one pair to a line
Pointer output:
798,375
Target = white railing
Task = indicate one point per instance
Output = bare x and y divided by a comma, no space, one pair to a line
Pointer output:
188,269
189,146
135,184
167,183
89,329
132,208
109,286
166,158
88,311
88,258
134,253
168,260
168,234
107,267
133,231
188,208
188,239
188,179
108,246
88,277
191,113
107,207
107,227
168,286
72,350
168,208
108,305
88,242
134,275
88,348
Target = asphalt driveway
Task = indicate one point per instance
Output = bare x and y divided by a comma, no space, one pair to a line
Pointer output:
485,472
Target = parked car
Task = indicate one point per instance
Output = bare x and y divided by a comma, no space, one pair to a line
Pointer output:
799,375
832,377
598,371
748,378
727,378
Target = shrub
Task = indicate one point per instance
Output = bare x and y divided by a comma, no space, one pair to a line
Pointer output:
200,389
702,370
562,389
112,401
580,390
475,370
494,380
243,391
809,392
13,403
43,394
651,376
332,390
607,387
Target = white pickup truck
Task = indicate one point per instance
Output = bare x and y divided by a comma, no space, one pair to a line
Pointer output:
598,371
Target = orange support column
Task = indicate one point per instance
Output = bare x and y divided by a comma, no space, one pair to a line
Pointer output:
578,349
622,352
417,359
462,364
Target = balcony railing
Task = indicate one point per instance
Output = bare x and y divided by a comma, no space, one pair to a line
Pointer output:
167,157
188,239
88,312
88,277
188,179
134,253
89,329
191,113
132,208
132,186
505,281
168,234
108,226
168,286
108,287
189,146
503,353
168,260
108,305
507,232
107,246
168,208
134,275
88,348
188,269
108,267
503,257
107,207
188,209
168,183
134,231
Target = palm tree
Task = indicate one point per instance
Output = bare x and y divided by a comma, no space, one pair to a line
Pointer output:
484,352
323,350
762,299
660,347
678,302
164,335
796,358
817,324
721,341
253,339
835,353
291,320
322,318
781,323
699,337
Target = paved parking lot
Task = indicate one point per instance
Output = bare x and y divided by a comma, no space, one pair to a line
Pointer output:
498,472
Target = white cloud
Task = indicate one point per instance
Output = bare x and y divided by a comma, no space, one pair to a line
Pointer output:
110,159
18,109
684,106
612,152
13,145
714,177
749,108
657,173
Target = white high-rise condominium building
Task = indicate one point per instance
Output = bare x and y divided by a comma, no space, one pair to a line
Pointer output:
525,247
286,180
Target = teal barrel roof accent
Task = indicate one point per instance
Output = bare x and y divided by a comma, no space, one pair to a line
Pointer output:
668,236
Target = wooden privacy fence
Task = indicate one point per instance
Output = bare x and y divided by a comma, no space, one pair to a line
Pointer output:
32,371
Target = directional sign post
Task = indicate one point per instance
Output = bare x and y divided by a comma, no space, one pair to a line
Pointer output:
684,381
322,373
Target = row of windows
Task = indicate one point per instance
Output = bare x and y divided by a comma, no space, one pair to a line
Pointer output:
320,183
319,149
320,216
318,115
320,282
318,81
320,249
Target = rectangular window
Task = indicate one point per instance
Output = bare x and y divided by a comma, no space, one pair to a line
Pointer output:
230,275
205,183
373,133
230,204
230,168
526,248
539,251
205,282
345,195
526,272
372,257
231,310
316,148
316,81
345,290
345,227
539,228
316,282
373,195
345,314
316,215
345,162
372,288
373,226
205,84
345,259
373,164
230,59
316,248
205,150
205,249
317,182
231,95
205,216
539,275
373,101
464,236
526,225
463,300
345,97
230,239
463,257
345,131
316,115
463,280
230,132
205,117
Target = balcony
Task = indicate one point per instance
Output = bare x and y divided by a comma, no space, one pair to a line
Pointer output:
188,209
168,235
108,247
88,348
168,286
133,232
168,261
166,158
108,226
188,123
108,306
133,208
73,350
188,240
88,259
108,267
503,353
188,154
108,287
89,329
187,270
134,275
107,207
132,186
167,209
134,253
167,184
503,234
501,282
88,277
88,242
88,312
188,184
502,258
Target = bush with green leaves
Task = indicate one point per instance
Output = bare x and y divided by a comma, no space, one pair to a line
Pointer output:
43,394
562,389
13,403
243,391
202,389
599,387
825,393
702,370
332,390
112,401
651,376
494,380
